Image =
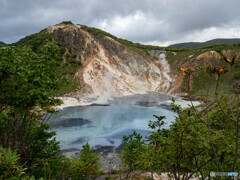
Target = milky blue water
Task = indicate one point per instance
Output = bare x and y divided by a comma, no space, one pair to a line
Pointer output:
106,125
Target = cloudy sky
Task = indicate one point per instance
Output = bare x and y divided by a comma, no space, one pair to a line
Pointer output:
157,22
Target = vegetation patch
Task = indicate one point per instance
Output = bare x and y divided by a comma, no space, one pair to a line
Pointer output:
34,41
214,42
66,23
65,70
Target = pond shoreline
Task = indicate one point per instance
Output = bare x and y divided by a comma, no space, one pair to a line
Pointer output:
94,101
142,102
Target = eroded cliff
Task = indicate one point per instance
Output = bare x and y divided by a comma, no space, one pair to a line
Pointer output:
105,66
110,69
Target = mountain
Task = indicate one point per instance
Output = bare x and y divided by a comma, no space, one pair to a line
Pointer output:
2,43
194,45
102,62
99,65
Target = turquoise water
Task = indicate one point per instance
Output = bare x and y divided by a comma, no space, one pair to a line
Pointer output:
106,124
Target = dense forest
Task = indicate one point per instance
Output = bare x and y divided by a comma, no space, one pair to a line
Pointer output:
202,139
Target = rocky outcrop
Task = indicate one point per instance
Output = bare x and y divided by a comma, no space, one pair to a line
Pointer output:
109,68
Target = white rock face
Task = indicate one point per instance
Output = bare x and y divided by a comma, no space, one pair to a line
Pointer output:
166,66
137,76
111,69
69,102
161,55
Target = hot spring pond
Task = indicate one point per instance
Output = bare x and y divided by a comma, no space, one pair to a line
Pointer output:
103,125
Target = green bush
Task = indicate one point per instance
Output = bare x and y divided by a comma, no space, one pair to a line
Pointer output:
66,22
86,165
236,74
114,171
34,41
43,157
28,84
133,146
9,165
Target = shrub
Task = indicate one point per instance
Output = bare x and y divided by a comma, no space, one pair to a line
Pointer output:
9,165
86,164
66,22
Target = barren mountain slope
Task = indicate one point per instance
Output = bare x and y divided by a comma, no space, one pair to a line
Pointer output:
109,68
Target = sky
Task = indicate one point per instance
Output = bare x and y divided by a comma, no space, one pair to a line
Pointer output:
155,22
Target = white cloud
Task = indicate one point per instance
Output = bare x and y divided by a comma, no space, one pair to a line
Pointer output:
201,36
213,33
158,43
139,25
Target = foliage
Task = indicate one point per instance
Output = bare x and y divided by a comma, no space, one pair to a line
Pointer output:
185,150
157,124
34,41
27,86
219,47
9,165
86,165
204,76
26,83
43,156
132,146
200,80
66,23
65,69
236,74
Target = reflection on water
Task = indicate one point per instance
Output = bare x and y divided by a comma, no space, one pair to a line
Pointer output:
106,125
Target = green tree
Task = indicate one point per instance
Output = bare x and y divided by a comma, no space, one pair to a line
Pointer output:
133,147
86,165
28,84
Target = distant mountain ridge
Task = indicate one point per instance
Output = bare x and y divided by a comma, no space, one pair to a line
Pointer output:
194,45
2,43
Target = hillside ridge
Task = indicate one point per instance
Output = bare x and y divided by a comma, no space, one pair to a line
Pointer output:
194,45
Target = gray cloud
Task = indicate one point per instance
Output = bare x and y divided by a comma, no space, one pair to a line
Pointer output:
145,21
